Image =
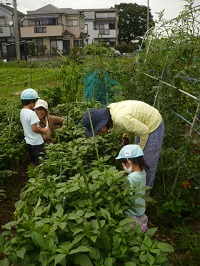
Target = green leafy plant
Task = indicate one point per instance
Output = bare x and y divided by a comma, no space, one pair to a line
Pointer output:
32,48
70,77
58,220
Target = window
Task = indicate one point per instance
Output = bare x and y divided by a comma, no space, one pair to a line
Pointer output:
38,42
78,43
86,28
112,26
72,22
98,26
1,30
2,21
46,22
52,21
43,22
104,32
103,28
56,44
40,30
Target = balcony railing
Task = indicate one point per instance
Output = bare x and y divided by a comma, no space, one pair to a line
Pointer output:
104,32
105,15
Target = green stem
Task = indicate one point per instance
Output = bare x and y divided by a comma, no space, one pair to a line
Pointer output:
176,177
163,176
60,170
11,122
31,79
179,168
95,144
43,72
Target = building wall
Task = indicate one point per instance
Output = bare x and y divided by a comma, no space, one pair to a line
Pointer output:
67,30
29,32
6,31
6,24
97,25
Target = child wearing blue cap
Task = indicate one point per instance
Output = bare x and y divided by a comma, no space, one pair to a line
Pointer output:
132,160
32,132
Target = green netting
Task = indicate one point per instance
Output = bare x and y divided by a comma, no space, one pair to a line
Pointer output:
101,86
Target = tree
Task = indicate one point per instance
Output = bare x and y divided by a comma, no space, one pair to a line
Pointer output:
132,21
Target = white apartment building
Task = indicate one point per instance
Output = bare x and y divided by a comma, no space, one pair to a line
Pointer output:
101,26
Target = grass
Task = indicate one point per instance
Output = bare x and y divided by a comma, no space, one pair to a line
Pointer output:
186,241
15,78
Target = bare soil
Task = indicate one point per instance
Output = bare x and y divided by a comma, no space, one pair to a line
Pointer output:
12,188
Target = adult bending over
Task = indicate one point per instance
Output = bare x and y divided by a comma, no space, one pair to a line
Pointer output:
132,118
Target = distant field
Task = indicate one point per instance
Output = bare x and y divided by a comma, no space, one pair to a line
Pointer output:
16,77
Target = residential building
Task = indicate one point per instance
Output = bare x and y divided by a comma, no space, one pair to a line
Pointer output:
101,25
7,36
55,28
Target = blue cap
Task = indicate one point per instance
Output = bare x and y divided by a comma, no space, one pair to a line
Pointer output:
99,119
130,151
29,94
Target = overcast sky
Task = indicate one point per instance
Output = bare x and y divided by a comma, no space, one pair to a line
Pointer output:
172,7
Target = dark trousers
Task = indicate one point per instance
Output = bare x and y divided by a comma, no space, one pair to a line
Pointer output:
152,152
35,152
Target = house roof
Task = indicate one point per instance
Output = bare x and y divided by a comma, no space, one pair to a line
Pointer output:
98,10
50,9
11,10
69,11
67,32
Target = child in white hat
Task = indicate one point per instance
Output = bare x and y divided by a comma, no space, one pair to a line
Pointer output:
131,158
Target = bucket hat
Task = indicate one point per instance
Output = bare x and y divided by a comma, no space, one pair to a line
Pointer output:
41,103
130,151
29,94
99,119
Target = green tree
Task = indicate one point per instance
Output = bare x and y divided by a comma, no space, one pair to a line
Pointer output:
132,21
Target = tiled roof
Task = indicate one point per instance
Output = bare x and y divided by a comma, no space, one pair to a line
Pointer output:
97,10
69,11
50,9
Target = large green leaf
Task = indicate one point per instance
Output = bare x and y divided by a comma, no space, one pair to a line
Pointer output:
82,260
79,250
151,231
38,240
59,258
21,252
9,225
165,247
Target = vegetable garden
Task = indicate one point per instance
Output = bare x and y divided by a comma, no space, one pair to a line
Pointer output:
71,210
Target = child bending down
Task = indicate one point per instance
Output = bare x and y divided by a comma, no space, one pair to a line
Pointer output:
132,160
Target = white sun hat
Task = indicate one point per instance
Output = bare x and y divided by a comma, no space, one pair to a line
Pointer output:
41,103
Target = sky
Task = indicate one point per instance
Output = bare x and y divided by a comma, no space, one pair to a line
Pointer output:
171,7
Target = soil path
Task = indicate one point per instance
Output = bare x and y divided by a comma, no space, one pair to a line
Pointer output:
12,188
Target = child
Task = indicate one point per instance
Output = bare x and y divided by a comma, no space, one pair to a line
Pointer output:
29,121
131,158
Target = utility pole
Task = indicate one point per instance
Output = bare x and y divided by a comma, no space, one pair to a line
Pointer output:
147,15
16,30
